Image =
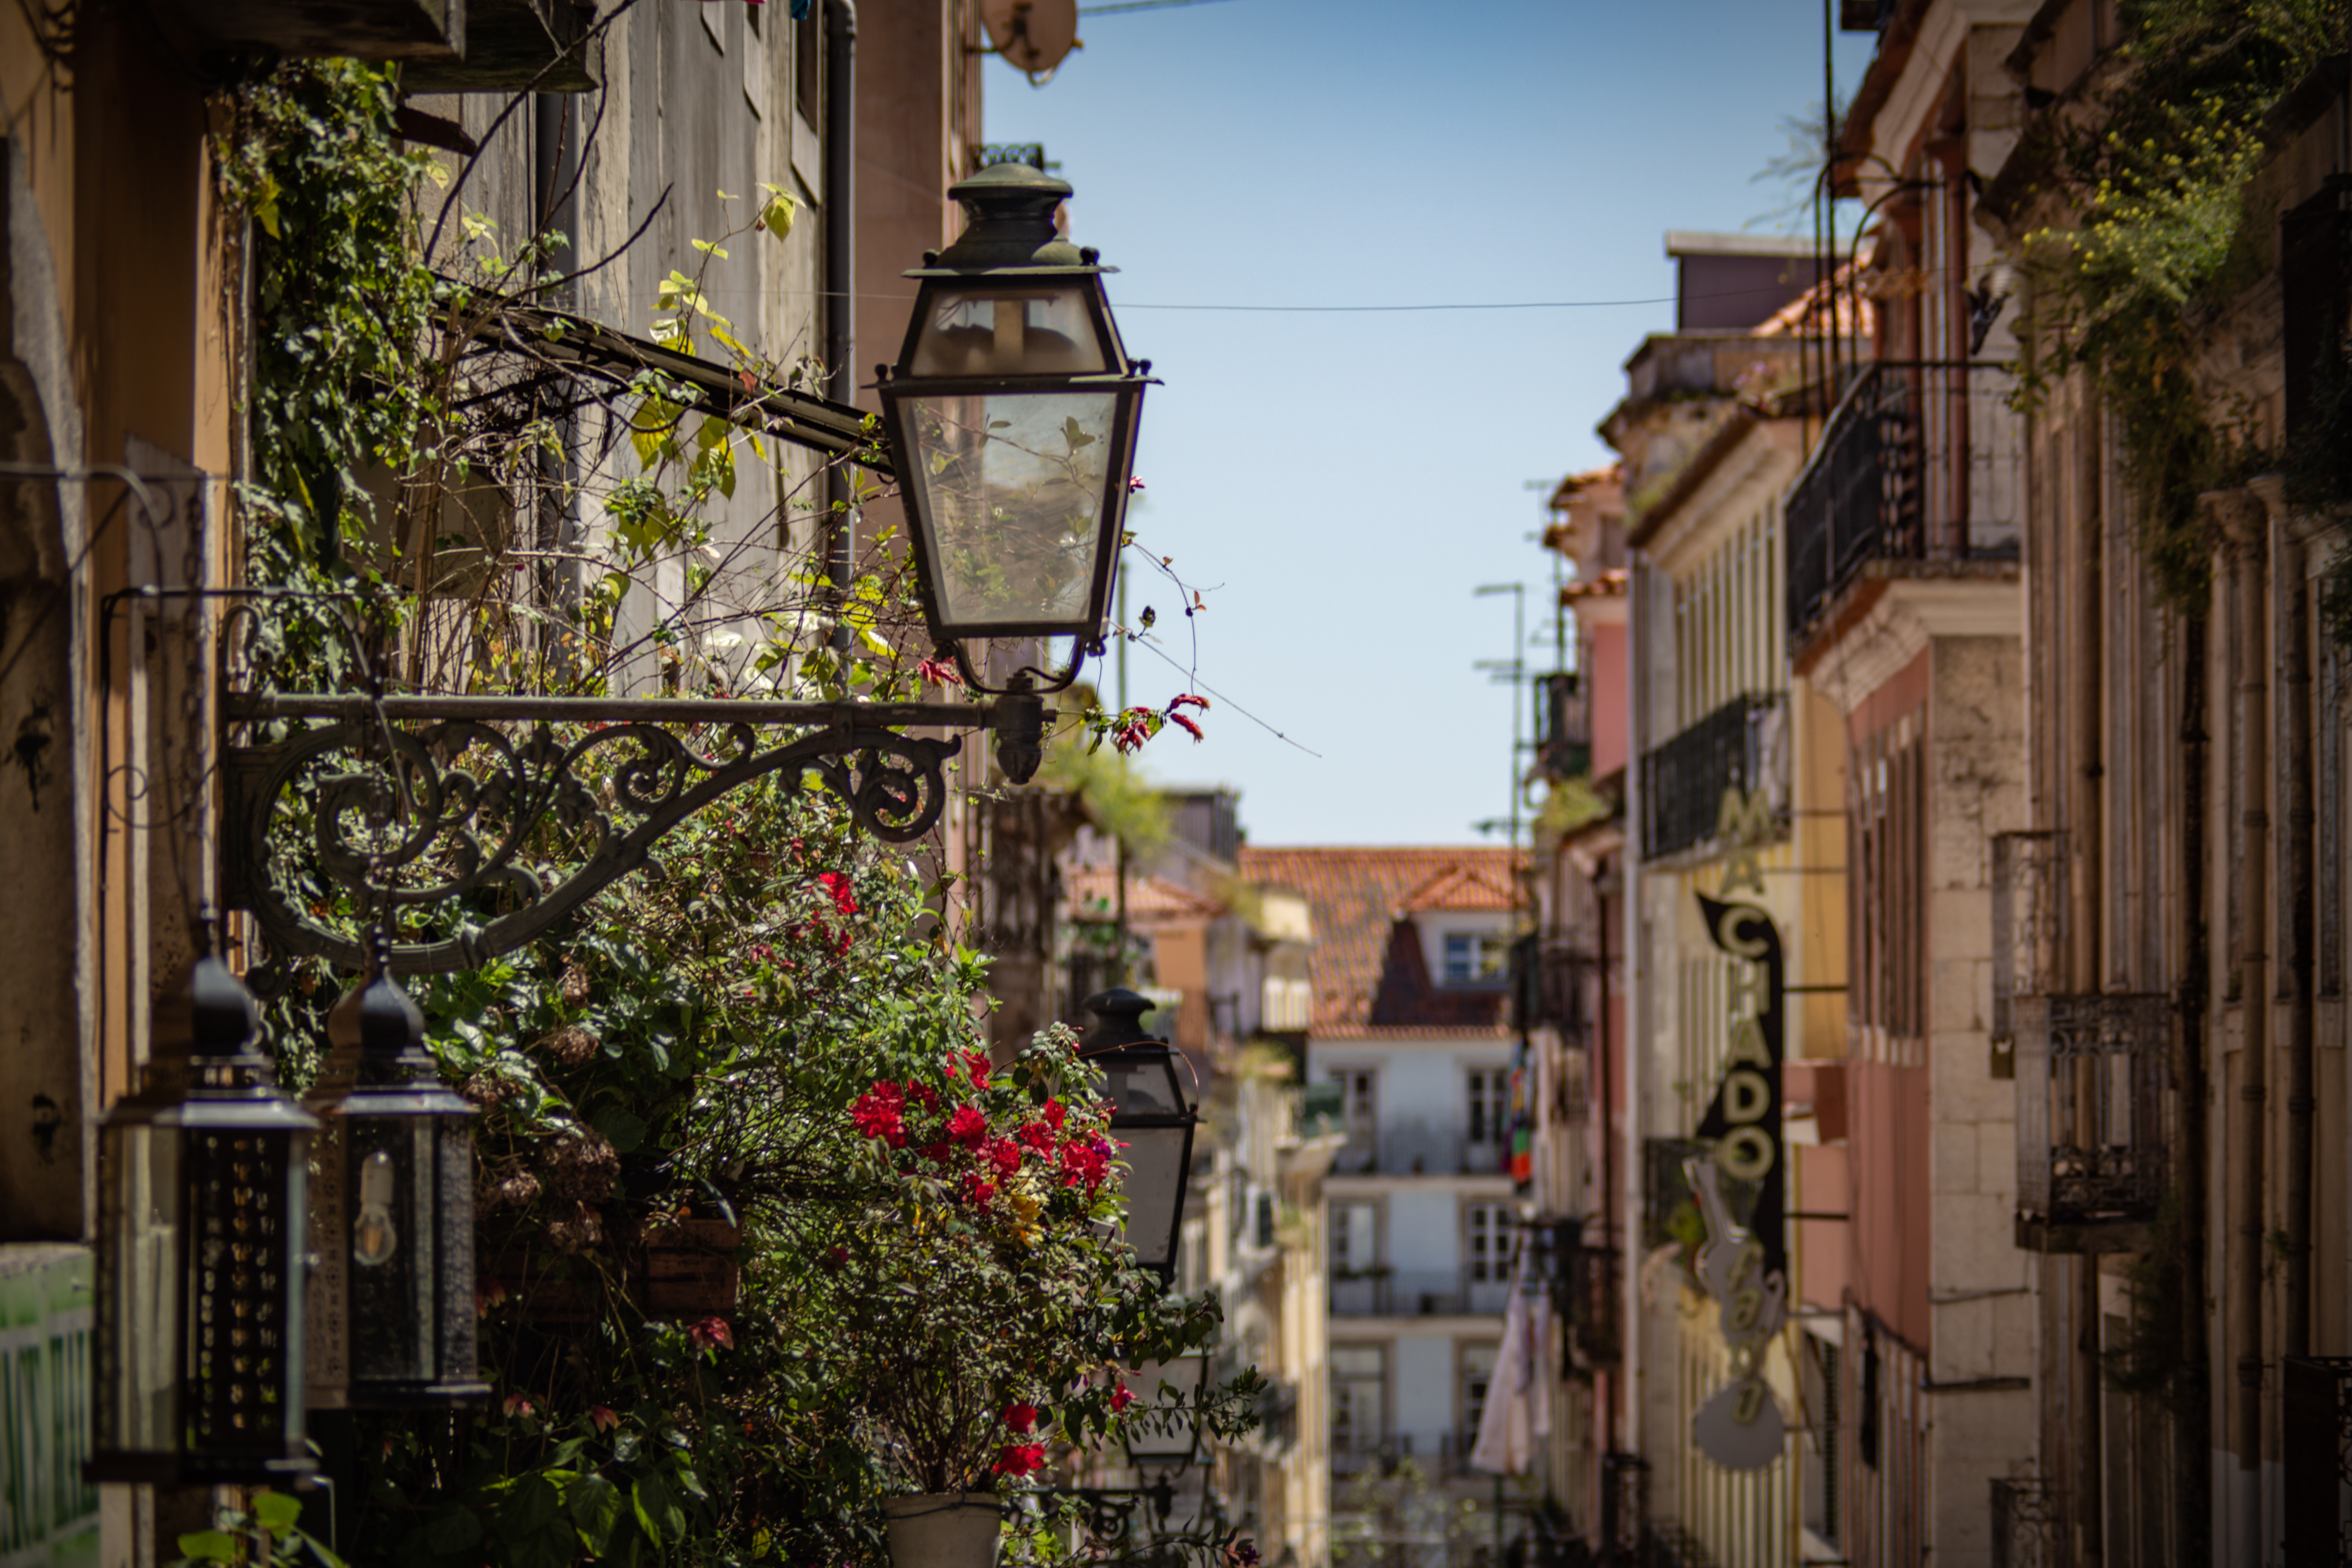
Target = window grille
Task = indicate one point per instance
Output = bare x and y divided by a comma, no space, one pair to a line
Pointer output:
2091,1075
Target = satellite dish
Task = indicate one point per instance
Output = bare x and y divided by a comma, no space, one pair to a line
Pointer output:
1033,36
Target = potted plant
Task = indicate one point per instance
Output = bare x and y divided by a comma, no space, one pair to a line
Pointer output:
975,1298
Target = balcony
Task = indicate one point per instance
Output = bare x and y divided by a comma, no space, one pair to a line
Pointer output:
2025,1521
1563,726
1384,1293
1439,1455
1741,746
2092,1072
1411,1147
1921,465
1586,1292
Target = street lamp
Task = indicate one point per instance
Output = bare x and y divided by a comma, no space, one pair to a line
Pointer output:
408,1196
1151,1117
1012,418
202,1173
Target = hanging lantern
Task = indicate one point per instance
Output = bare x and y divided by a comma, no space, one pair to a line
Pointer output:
1012,416
1151,1117
407,1234
202,1178
326,1303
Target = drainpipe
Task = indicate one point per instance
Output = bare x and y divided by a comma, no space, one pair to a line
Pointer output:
840,281
2192,1501
2294,610
2242,525
2089,847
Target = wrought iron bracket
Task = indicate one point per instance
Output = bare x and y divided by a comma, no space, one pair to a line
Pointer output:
462,783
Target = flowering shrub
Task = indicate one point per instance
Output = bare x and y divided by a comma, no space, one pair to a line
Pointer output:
978,1302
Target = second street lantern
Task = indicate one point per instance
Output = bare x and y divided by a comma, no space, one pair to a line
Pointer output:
1012,414
1150,1117
408,1213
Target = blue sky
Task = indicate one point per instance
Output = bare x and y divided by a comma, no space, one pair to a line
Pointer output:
1336,484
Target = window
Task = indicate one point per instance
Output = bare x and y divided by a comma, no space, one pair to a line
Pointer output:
1477,1377
1266,1219
808,57
1476,957
1289,1004
1361,1151
1359,1398
1487,1243
1355,1238
1489,1096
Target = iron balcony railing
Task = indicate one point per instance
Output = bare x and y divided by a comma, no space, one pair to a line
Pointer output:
2092,1072
2025,1519
1740,747
1563,726
1588,1299
1413,1146
1920,462
1383,1292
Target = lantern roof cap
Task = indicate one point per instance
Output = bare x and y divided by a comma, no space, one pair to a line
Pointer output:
1009,227
1119,1022
390,1024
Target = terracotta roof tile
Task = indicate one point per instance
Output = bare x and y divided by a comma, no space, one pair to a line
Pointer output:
1090,892
1369,976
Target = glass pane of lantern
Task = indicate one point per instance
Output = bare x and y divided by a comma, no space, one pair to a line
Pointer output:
1145,1086
246,1201
390,1188
1183,1376
1155,1159
999,328
139,1289
1016,483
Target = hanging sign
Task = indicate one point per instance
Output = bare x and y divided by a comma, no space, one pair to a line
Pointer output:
1744,1264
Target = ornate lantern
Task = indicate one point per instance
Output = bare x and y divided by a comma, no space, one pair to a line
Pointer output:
1175,1439
1012,416
408,1232
1150,1116
202,1179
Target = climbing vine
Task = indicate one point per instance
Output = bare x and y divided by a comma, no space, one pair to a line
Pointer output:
2157,168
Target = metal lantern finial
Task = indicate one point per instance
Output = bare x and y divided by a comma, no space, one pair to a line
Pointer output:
1150,1116
202,1177
407,1234
1012,413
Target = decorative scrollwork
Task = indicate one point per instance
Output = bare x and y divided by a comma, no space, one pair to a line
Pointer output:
458,807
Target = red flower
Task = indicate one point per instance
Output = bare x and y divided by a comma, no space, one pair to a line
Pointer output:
978,1193
1021,1417
835,1257
939,672
968,1127
1054,1113
1039,1137
836,884
1187,700
880,1111
978,1062
1084,1162
710,1331
602,1416
1019,1458
1119,1396
1005,1155
1189,727
938,1152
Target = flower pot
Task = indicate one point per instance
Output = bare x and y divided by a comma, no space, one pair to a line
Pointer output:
942,1530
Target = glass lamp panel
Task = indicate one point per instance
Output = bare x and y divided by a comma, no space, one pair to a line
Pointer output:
1175,1442
140,1284
1017,484
460,1361
243,1402
389,1190
1155,1187
987,329
1143,1085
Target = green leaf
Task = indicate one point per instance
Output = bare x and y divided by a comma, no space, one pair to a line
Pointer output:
209,1546
596,1507
779,214
275,1512
708,249
454,1529
529,1509
658,1512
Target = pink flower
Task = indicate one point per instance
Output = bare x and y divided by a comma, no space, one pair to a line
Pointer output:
938,672
1021,1417
709,1333
1135,482
1019,1458
602,1416
516,1404
968,1127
